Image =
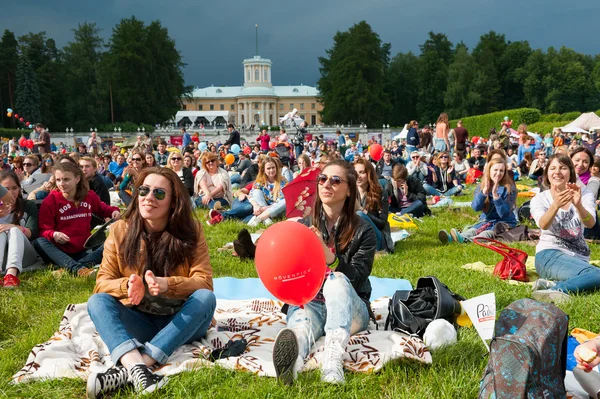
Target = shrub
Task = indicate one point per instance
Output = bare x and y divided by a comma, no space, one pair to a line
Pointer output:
570,116
10,133
480,125
546,127
550,118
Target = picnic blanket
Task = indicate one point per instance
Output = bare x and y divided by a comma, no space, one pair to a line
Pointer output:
529,265
76,349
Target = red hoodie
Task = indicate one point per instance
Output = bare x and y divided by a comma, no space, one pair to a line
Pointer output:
264,142
59,214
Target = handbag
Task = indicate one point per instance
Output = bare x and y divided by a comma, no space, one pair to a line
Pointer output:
512,265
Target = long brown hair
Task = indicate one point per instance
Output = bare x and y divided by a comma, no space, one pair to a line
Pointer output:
19,201
348,221
262,178
443,118
562,159
374,190
83,186
486,181
168,249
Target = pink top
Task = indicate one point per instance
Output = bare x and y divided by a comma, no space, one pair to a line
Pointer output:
441,131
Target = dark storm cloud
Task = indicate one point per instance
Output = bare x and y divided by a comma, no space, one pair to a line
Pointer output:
215,36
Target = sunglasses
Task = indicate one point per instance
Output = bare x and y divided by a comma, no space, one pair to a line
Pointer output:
27,164
416,157
176,159
333,180
159,193
139,159
48,161
444,156
211,161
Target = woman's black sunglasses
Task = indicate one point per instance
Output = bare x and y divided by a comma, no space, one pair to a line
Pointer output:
159,193
333,180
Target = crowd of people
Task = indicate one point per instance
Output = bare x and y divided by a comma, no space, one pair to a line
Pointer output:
153,288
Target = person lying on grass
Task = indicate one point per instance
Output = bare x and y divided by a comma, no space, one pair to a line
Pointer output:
16,230
342,306
496,197
65,222
154,287
562,255
373,203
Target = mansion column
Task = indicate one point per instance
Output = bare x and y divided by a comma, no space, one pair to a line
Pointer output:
262,112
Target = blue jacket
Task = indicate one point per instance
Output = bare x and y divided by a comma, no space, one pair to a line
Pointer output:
500,210
412,137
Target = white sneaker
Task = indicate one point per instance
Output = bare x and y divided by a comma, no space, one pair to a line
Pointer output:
254,221
554,296
268,221
332,368
542,284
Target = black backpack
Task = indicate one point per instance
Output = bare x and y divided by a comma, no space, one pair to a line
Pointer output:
528,354
524,212
412,311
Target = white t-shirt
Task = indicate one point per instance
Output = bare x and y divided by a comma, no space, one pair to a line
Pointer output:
566,231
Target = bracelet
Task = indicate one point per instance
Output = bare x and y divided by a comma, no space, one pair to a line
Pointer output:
587,218
335,263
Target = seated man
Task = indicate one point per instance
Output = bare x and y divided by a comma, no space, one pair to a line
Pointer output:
89,166
407,194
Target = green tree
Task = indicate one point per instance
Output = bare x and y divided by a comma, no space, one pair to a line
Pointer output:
511,70
463,96
28,94
143,70
352,82
9,58
436,56
86,98
533,75
487,55
403,87
567,81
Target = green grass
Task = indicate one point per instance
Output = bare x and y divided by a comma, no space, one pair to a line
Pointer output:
30,315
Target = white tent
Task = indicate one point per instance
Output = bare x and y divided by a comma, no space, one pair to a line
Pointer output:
573,129
585,122
209,115
402,135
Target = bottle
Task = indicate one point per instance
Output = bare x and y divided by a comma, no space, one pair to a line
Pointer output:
463,319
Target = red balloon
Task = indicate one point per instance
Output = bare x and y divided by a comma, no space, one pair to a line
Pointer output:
29,144
21,119
22,141
27,123
290,262
17,116
63,151
272,145
376,151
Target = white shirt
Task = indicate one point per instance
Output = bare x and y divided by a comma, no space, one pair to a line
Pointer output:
566,231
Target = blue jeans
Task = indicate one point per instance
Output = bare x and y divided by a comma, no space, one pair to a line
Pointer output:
409,150
440,145
124,329
236,178
276,209
378,232
572,274
211,203
239,210
72,262
430,190
298,149
417,209
342,308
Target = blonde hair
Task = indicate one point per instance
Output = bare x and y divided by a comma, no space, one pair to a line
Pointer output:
261,178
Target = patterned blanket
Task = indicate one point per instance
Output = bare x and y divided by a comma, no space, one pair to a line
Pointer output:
76,349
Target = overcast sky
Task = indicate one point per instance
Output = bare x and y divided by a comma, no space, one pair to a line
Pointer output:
215,36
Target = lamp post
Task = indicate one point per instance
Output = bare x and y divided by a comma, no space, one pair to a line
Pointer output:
138,129
71,130
119,130
115,129
143,129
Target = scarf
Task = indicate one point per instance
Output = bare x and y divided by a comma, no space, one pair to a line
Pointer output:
585,177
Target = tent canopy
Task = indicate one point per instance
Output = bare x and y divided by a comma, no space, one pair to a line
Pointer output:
402,135
209,115
573,129
585,122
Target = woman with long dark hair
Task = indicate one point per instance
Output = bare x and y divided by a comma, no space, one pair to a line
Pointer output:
138,162
65,222
154,288
16,230
562,255
373,203
342,306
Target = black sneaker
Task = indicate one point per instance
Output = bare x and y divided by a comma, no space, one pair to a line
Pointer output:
111,380
285,353
144,381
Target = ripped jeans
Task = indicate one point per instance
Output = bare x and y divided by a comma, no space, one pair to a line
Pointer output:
342,308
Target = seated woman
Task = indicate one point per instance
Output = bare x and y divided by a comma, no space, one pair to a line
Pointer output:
212,184
189,161
407,194
42,192
373,203
16,230
583,160
150,161
536,170
154,288
65,222
303,162
562,255
443,178
496,197
175,163
461,167
342,306
525,164
266,196
130,173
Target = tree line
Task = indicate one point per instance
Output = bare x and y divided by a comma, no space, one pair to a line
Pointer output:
136,76
359,80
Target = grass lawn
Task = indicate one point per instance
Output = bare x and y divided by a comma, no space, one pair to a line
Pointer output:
30,315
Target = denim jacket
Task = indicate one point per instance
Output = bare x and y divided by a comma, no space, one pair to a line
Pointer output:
500,210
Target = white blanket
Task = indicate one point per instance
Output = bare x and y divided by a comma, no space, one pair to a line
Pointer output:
76,349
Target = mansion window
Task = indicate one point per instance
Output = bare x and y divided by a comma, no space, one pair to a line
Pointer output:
313,106
256,75
255,105
248,75
241,106
270,105
232,107
222,107
212,107
200,107
184,107
292,106
281,107
301,105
